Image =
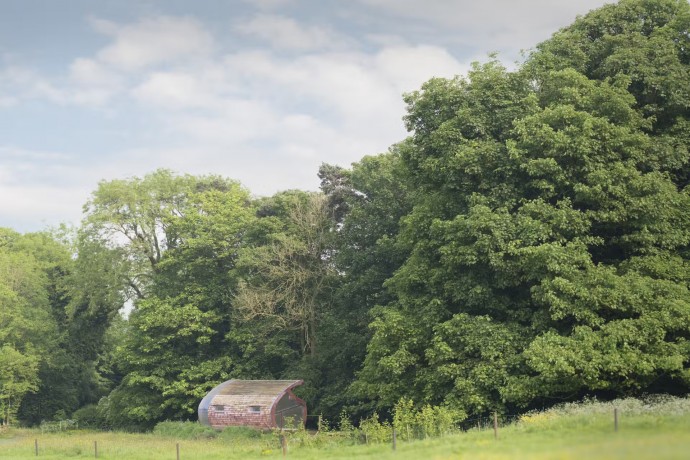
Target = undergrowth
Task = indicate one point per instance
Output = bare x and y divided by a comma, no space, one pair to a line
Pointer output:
593,414
655,427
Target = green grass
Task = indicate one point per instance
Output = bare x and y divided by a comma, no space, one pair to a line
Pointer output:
656,430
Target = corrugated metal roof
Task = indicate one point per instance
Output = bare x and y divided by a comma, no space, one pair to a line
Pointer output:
244,400
257,388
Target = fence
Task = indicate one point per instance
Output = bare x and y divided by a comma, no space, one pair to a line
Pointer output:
95,449
282,440
60,425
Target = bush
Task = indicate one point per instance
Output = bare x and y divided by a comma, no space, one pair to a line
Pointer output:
590,412
429,421
300,437
374,431
89,417
345,424
60,425
237,433
647,405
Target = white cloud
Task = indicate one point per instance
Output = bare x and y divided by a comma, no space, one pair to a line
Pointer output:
263,116
89,84
240,121
407,67
153,41
175,90
490,24
10,80
92,83
285,33
266,116
34,204
488,14
19,83
92,73
7,101
360,91
386,40
41,185
269,4
96,81
23,166
277,119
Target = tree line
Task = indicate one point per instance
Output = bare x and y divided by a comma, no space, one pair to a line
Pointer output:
527,243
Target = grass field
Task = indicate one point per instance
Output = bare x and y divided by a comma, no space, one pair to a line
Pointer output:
578,432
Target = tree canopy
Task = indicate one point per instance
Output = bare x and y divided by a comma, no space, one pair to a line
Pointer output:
548,250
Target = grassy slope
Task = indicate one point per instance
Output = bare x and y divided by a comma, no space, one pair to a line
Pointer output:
541,436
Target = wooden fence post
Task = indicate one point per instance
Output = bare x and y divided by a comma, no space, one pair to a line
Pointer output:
495,425
394,438
284,444
615,419
95,449
36,446
177,449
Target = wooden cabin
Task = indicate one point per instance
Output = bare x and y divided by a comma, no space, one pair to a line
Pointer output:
263,404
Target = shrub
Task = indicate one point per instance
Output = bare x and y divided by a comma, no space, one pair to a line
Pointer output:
323,425
345,424
429,421
374,431
237,433
591,411
60,425
404,419
89,416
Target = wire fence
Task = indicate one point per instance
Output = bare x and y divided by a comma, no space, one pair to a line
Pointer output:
60,425
485,422
291,437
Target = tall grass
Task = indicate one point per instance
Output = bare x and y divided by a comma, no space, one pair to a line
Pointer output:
654,428
184,430
650,411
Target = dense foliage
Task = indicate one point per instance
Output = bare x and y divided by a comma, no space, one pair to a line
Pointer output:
527,244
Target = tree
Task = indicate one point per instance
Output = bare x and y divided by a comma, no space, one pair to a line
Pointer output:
18,376
548,241
31,316
138,217
456,155
367,202
647,43
288,279
178,346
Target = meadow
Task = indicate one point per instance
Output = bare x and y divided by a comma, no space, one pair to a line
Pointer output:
658,430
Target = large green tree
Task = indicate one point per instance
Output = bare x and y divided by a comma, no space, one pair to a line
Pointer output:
18,376
549,241
139,217
40,327
177,342
28,330
367,203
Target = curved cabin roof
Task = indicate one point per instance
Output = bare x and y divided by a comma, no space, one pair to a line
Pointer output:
237,395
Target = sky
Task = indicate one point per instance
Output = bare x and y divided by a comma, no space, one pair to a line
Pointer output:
261,91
